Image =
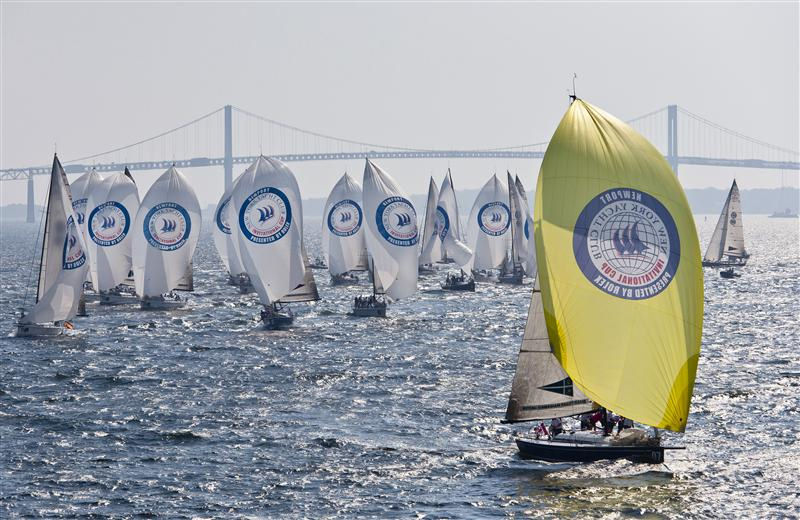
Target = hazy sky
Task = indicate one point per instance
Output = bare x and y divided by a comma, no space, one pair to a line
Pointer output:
95,76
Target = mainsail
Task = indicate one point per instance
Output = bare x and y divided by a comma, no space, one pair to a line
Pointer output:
62,269
728,238
224,239
269,228
342,228
529,264
392,233
166,230
516,203
430,244
541,389
448,225
619,267
487,229
111,208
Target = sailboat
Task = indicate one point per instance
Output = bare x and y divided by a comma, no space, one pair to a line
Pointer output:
165,234
81,188
617,324
342,232
529,263
269,238
449,227
112,205
62,265
392,241
511,271
726,248
225,242
487,229
430,243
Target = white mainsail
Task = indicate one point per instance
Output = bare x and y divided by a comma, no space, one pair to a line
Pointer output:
269,228
342,228
516,203
488,225
541,389
62,270
728,238
392,233
529,264
223,232
448,224
430,243
111,208
165,234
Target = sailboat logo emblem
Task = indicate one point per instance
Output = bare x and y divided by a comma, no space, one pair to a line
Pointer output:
72,256
108,223
222,217
442,223
397,221
494,218
167,226
344,218
79,206
265,216
626,243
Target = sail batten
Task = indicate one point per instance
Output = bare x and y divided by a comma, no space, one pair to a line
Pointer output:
619,265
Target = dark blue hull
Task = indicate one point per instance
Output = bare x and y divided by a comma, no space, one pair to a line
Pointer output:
568,452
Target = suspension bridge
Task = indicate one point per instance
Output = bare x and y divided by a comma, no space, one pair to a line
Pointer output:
682,136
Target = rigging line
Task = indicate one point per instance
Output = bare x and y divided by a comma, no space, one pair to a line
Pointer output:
145,140
735,133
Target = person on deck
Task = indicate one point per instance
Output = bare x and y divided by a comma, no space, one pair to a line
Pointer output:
586,421
556,426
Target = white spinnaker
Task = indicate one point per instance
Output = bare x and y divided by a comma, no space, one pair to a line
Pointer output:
529,265
80,189
392,233
269,228
488,232
63,266
224,232
430,243
111,210
343,227
448,224
165,234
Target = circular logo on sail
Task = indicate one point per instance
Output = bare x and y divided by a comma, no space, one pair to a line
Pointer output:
108,223
344,218
266,215
167,226
79,207
626,243
222,220
494,218
397,221
442,225
72,256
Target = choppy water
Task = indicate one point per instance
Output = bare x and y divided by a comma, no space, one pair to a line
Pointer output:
199,413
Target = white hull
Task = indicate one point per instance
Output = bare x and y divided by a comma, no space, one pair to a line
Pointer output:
118,299
38,330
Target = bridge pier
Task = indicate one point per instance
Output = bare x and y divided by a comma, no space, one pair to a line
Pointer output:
228,161
30,217
672,137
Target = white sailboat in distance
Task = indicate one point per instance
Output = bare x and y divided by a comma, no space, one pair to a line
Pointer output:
62,265
726,248
166,230
430,243
343,240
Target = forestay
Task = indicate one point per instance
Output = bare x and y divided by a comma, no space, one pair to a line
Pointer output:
488,225
541,389
166,230
430,244
112,206
619,267
448,225
728,237
392,233
269,228
62,270
342,228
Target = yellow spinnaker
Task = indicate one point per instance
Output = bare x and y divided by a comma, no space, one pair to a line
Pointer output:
619,267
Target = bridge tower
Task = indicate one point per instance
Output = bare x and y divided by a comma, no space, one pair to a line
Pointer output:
228,148
672,137
30,215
